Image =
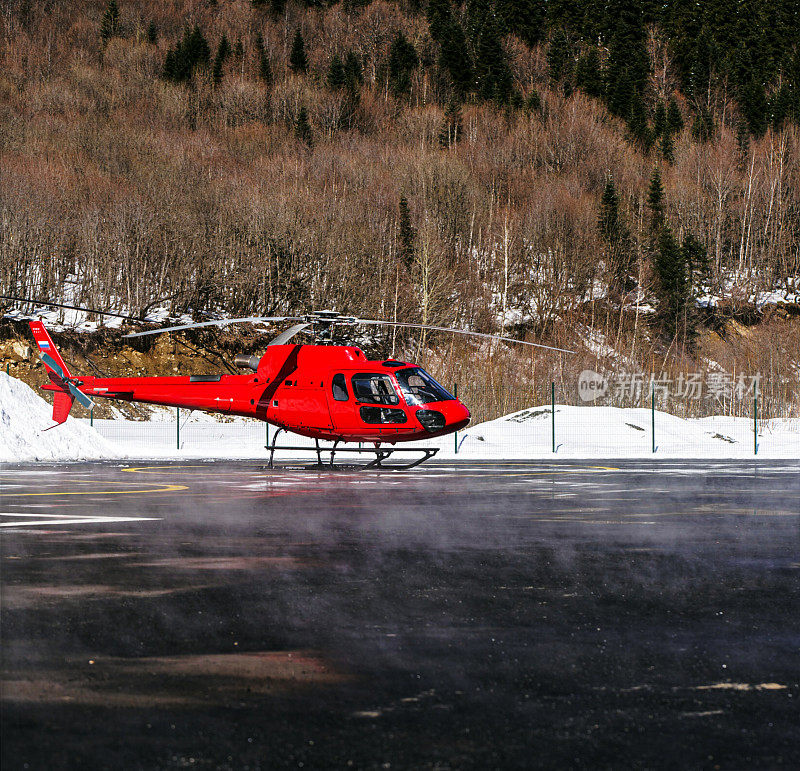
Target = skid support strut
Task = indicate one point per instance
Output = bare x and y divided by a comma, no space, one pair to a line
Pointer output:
381,454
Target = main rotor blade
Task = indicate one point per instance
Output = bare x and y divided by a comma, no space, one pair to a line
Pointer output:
72,308
285,337
220,323
53,364
461,332
80,396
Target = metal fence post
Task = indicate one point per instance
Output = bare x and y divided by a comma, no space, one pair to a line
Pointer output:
91,416
653,414
553,412
755,425
178,428
455,435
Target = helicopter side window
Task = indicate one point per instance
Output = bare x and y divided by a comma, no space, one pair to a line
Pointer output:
374,389
339,388
382,415
420,388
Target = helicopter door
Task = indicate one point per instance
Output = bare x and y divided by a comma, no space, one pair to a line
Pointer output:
341,404
373,405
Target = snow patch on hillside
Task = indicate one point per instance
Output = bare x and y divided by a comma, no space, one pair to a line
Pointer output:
24,416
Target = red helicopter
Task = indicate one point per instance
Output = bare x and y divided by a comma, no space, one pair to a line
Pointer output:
324,391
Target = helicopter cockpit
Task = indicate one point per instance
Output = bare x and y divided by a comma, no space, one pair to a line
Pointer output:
378,397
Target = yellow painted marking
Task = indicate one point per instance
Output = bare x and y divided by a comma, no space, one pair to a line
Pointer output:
161,489
143,469
454,474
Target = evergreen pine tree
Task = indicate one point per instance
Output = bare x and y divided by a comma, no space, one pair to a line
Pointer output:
196,48
617,238
695,258
403,61
170,68
589,73
534,102
152,33
109,27
780,106
297,56
700,66
492,72
353,72
335,76
224,48
454,55
655,200
674,117
264,67
238,50
672,286
628,66
703,125
406,247
223,52
216,71
566,14
526,18
743,143
793,76
753,104
637,122
440,17
557,55
608,221
450,132
667,147
302,129
189,55
659,120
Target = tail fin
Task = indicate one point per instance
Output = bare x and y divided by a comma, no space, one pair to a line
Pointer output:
46,345
65,390
62,404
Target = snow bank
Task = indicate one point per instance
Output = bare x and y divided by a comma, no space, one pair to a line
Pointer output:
581,432
24,416
614,432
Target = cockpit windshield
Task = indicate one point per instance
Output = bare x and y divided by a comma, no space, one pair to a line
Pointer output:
420,388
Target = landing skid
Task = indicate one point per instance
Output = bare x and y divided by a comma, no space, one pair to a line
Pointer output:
381,454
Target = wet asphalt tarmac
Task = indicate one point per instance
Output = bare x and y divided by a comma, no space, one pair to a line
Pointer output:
558,615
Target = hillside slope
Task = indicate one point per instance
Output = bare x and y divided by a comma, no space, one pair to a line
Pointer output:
571,171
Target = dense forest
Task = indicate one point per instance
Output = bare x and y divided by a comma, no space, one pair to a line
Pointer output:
618,177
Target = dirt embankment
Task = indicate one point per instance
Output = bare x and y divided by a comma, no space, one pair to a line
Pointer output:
105,353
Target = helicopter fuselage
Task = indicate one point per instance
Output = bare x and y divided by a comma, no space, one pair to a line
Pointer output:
319,391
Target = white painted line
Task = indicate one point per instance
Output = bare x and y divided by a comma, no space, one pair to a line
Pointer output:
58,519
